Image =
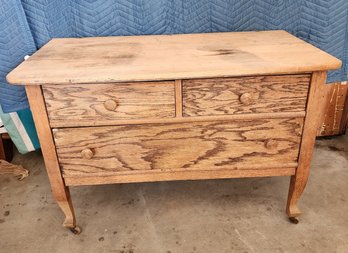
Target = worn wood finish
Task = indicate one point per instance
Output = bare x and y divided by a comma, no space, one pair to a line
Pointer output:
176,107
178,98
299,180
179,175
95,103
261,94
344,118
181,119
170,57
185,146
60,191
334,120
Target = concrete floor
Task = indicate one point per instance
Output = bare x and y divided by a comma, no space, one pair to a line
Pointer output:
238,215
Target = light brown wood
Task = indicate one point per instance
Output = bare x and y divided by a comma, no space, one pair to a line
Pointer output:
176,107
178,98
344,118
299,180
246,98
185,146
60,191
95,103
179,175
170,57
110,105
271,144
239,95
181,119
334,120
87,153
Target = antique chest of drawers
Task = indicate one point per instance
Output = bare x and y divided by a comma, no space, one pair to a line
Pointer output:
175,107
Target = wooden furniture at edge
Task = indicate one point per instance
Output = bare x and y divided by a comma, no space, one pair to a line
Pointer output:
6,147
335,116
175,107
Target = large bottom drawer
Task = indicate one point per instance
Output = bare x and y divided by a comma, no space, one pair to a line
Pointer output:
219,145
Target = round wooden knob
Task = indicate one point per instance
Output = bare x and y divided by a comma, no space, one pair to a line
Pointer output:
245,99
87,153
110,105
271,144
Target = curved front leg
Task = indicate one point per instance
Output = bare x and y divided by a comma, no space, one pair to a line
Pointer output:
60,191
315,109
297,186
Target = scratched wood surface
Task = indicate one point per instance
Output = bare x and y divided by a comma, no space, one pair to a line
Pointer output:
266,94
170,57
314,113
154,176
334,119
240,144
86,104
59,189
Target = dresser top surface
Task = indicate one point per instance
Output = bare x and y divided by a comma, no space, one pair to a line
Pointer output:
170,57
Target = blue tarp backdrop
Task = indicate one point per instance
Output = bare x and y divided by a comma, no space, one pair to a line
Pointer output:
26,25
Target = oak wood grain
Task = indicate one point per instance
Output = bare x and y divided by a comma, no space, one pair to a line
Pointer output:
334,120
115,122
105,123
60,191
311,124
260,94
154,176
95,103
170,57
240,144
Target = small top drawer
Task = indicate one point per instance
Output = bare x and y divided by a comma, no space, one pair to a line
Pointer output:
103,104
260,94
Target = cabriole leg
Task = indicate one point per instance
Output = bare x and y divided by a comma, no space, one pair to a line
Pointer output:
65,203
60,191
297,186
315,108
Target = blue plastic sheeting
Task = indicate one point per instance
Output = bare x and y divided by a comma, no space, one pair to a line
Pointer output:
27,25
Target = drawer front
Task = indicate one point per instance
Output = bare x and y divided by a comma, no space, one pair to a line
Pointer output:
263,94
101,104
239,144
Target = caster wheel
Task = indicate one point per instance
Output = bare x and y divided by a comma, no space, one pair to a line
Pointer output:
293,220
76,230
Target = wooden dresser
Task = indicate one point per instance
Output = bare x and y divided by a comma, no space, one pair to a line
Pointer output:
175,107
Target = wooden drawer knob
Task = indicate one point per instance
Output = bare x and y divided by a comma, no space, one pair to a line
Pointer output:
87,153
245,99
110,105
271,144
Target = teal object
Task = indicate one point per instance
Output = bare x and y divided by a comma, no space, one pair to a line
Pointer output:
20,127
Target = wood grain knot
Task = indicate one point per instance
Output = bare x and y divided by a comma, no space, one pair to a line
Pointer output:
245,99
271,144
110,105
87,153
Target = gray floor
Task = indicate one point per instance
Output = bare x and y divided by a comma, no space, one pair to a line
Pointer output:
239,215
